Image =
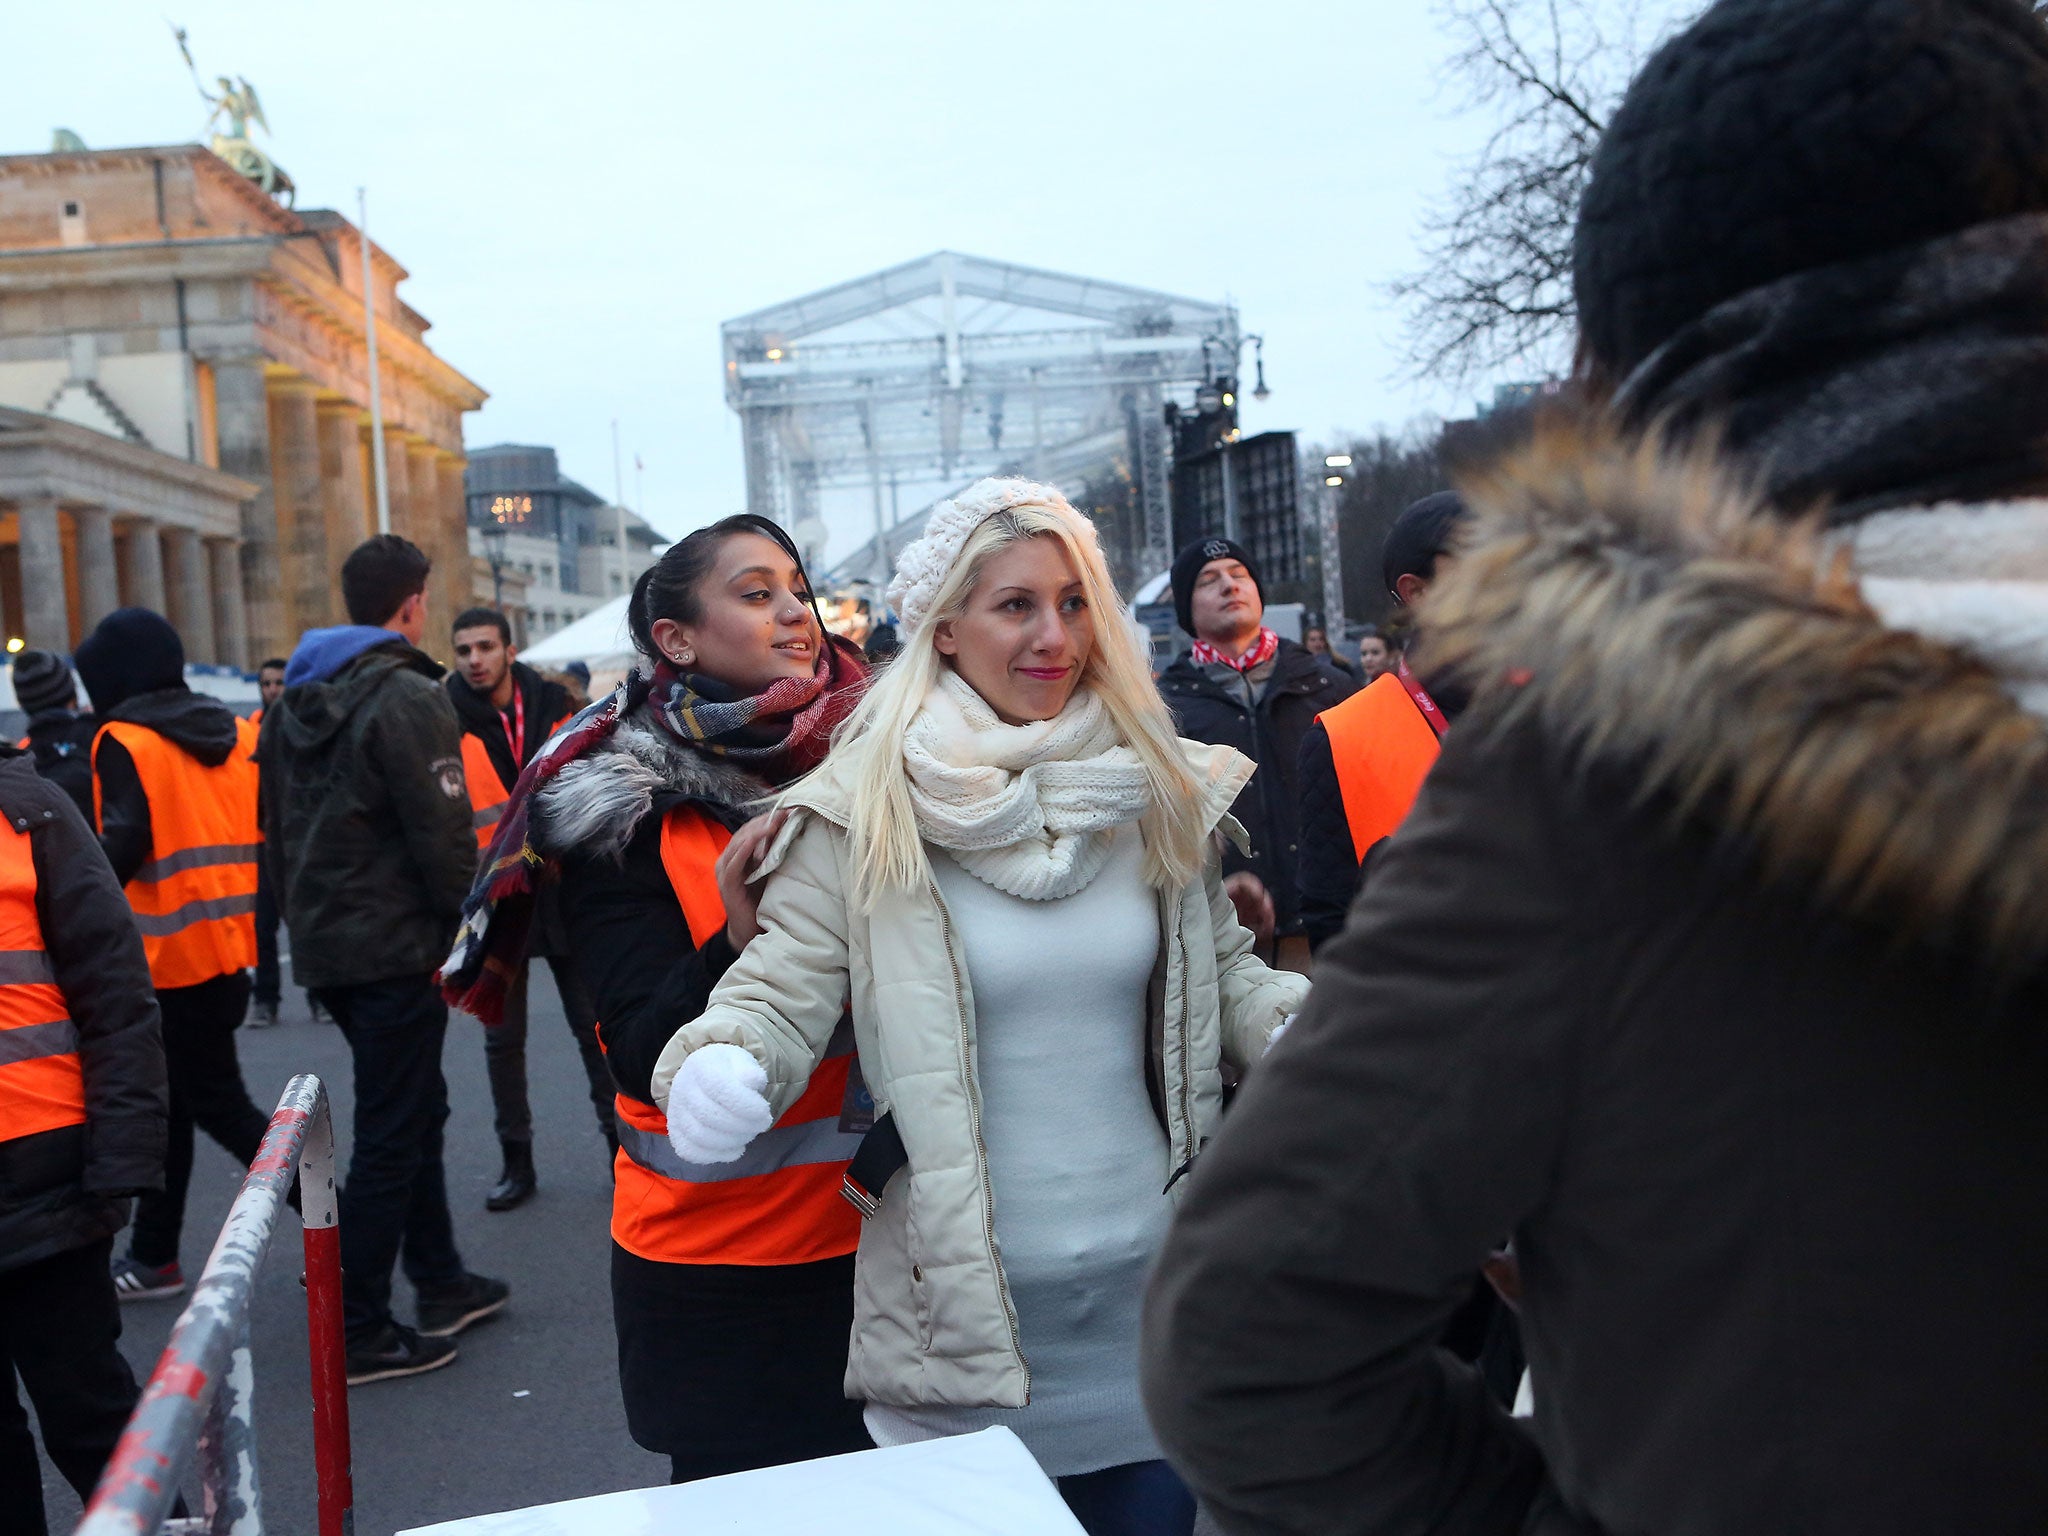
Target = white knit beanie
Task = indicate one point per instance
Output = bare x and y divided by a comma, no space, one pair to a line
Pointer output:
922,567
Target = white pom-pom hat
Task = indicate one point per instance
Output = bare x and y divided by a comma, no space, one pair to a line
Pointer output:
923,565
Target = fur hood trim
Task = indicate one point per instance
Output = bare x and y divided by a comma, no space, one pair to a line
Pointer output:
594,804
1647,611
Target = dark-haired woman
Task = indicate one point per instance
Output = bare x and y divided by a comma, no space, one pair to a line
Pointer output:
732,1284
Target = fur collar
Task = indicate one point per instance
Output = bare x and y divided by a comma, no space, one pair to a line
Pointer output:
593,804
1648,613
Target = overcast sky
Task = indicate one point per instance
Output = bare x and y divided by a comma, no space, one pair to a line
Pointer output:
582,192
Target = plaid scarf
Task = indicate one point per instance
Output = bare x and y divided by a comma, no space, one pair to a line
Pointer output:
781,732
1261,652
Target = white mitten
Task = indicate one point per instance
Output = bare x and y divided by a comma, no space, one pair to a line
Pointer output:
1278,1030
717,1104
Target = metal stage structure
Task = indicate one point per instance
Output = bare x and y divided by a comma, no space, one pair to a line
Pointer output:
924,377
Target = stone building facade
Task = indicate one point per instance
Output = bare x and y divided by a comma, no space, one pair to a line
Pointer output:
156,296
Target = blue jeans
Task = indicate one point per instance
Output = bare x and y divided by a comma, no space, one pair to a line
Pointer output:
395,1203
1144,1498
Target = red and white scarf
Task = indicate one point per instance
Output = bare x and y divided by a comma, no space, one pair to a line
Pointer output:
1258,655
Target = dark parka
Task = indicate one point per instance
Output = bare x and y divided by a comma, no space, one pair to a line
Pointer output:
64,1188
1266,723
366,818
1710,965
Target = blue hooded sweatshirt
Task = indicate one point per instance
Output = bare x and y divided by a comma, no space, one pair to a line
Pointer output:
321,653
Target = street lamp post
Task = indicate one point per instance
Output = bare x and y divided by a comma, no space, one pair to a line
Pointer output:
1336,467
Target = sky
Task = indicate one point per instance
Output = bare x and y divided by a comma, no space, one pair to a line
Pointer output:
583,192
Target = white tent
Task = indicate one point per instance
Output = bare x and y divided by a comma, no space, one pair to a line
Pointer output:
599,640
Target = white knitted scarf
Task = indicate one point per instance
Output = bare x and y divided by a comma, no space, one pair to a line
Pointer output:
1028,809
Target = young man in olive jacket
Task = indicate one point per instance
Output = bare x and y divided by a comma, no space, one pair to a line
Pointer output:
65,1188
1712,962
366,820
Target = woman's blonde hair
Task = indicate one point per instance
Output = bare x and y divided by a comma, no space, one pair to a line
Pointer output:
887,851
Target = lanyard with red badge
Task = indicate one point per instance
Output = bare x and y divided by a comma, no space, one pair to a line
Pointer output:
515,728
1423,701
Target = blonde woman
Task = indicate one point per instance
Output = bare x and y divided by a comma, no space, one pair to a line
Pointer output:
1006,863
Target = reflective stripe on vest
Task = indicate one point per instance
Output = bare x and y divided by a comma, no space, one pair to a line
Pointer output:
1382,749
779,1203
194,898
487,792
42,1086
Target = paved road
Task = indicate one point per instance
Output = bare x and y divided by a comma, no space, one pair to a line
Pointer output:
458,1441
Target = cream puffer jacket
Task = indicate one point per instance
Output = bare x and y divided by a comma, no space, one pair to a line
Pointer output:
933,1319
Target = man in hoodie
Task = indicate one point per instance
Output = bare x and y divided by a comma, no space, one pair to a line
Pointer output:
176,803
367,825
59,736
508,711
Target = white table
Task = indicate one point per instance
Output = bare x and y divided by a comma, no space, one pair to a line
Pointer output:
970,1485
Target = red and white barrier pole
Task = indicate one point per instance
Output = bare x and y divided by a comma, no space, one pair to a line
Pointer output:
324,1337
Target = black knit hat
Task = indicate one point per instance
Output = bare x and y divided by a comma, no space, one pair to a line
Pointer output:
1187,565
1421,533
133,651
43,680
1776,136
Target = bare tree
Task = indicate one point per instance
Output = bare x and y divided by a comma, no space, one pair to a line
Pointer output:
1494,289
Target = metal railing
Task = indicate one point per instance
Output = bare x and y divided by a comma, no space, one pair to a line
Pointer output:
198,1402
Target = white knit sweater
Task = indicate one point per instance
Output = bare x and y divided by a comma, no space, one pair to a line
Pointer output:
1076,1155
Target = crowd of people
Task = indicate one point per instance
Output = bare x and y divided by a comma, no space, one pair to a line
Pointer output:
1655,1149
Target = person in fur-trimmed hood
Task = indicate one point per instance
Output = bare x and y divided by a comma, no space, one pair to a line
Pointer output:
1713,960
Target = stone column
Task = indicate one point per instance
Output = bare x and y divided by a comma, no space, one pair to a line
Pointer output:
230,623
191,595
144,577
301,513
46,623
395,489
242,408
350,517
99,582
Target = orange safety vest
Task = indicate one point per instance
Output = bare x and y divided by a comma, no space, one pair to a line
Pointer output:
42,1086
780,1203
1383,749
487,792
195,896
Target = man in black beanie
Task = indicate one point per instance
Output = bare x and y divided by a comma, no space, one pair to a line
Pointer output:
58,737
1709,963
177,817
1243,686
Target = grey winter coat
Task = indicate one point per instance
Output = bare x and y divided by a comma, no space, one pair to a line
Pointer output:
933,1319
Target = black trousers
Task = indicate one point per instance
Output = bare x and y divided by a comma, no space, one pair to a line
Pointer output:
59,1323
394,1206
729,1367
269,984
206,1092
505,1055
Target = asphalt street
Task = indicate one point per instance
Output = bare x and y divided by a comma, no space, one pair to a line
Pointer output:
530,1412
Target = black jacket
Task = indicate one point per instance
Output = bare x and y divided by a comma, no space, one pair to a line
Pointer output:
1709,966
366,818
547,705
1218,704
601,816
199,725
64,1188
60,740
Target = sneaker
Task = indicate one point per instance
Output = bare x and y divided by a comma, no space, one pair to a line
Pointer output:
136,1281
318,1010
262,1016
444,1315
395,1350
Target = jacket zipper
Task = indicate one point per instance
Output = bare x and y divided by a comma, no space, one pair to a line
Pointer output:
1187,1106
988,1192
